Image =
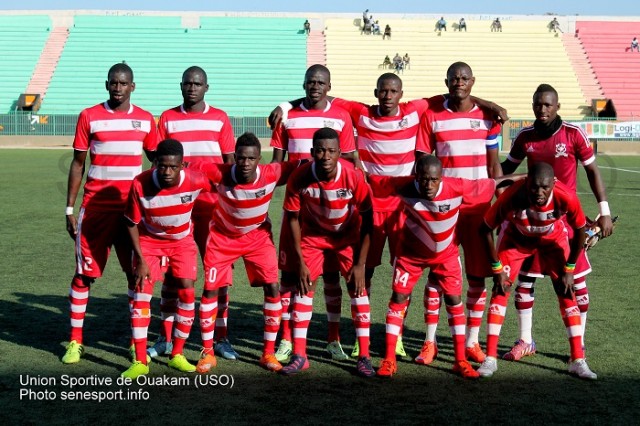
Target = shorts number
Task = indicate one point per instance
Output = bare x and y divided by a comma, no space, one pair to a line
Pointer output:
213,274
401,278
87,264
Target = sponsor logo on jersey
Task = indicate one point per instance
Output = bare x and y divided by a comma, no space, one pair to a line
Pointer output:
186,199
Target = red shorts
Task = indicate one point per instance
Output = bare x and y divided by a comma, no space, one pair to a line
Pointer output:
179,256
287,252
386,224
97,232
257,250
531,266
408,270
551,253
318,249
476,259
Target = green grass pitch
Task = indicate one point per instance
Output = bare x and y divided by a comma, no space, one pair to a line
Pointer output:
36,261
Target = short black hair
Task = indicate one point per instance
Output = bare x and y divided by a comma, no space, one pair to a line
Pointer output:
195,70
120,67
541,170
429,161
316,68
458,65
170,147
248,139
325,133
388,76
544,87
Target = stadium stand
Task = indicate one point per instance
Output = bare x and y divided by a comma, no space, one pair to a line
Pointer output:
21,41
508,66
607,45
240,55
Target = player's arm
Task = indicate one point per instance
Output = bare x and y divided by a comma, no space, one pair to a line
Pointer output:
498,113
151,141
576,243
141,271
425,139
347,141
278,155
356,275
514,158
76,171
304,284
493,218
599,191
228,158
279,143
279,113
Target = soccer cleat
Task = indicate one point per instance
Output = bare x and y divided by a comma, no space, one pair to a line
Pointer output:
285,348
488,367
579,367
520,349
180,363
427,354
206,362
224,349
74,352
136,370
132,354
400,348
364,367
465,369
388,367
298,363
355,353
160,347
270,362
474,353
335,349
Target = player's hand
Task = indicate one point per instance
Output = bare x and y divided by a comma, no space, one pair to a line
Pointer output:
499,113
275,118
141,273
501,283
357,276
606,226
305,285
72,226
567,282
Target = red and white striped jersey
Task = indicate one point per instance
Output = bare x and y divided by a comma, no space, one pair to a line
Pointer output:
165,213
568,145
241,208
205,137
460,139
295,135
429,229
328,207
115,141
534,221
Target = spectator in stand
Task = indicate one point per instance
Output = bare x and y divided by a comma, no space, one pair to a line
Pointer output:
496,26
398,65
406,61
554,25
462,24
307,27
376,28
634,44
365,16
387,62
441,24
387,32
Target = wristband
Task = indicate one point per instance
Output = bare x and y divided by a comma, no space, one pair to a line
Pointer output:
569,268
68,211
497,267
604,208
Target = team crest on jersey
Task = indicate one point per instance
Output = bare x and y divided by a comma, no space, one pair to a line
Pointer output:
341,193
444,208
561,150
261,193
136,124
530,148
329,123
404,123
475,124
186,199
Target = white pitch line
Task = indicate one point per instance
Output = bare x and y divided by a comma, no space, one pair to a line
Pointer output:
620,195
617,168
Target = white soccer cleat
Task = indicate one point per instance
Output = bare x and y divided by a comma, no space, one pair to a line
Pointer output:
488,367
579,367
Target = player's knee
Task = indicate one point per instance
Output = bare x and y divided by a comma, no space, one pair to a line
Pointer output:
399,297
288,279
331,277
452,299
271,290
210,293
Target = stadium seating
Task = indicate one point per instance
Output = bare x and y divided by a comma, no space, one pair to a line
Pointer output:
508,66
21,41
607,45
252,63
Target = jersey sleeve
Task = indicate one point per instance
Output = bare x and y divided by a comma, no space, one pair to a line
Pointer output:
347,141
421,105
352,107
279,138
516,153
362,192
292,200
492,136
214,172
151,140
201,181
582,146
425,141
477,191
285,170
575,214
162,127
83,132
133,210
226,141
386,186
